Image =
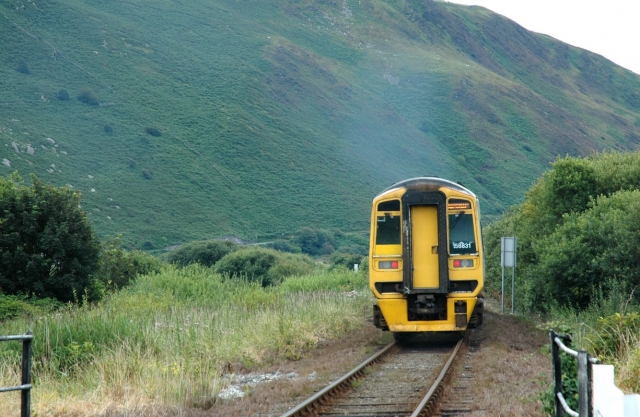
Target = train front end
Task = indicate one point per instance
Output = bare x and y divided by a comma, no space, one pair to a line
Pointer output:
426,267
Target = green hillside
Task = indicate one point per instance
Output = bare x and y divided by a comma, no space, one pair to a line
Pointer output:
253,118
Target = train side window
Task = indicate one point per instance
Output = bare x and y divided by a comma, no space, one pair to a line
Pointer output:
461,235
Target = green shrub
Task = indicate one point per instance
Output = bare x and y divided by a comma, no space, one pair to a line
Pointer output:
569,386
107,129
284,246
263,265
344,259
314,242
252,264
578,227
87,96
12,306
23,68
289,264
153,131
63,95
615,335
598,245
206,252
118,267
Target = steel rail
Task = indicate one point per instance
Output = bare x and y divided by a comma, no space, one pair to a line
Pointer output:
311,404
437,385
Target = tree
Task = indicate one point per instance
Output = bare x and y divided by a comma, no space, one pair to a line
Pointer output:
47,246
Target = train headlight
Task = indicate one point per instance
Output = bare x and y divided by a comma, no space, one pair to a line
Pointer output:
388,265
463,263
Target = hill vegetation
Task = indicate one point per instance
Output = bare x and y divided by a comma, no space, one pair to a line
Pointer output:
182,121
166,335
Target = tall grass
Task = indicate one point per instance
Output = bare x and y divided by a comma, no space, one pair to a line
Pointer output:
609,329
168,339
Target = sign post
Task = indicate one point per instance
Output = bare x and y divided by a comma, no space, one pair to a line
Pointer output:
508,259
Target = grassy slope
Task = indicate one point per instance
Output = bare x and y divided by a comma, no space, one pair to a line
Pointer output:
308,107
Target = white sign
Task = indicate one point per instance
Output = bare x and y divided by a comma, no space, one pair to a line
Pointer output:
508,252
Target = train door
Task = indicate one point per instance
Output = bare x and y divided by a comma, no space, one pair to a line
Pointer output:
424,246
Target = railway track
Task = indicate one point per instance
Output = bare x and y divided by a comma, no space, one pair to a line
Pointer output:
399,380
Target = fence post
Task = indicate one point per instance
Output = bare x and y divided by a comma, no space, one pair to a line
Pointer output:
25,409
556,363
584,385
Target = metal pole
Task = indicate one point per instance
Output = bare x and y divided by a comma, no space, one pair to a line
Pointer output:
513,288
513,277
584,385
502,293
556,364
25,407
502,266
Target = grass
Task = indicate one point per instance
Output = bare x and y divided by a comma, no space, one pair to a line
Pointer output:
167,340
272,106
608,329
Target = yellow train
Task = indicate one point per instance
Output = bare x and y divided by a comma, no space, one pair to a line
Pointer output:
426,265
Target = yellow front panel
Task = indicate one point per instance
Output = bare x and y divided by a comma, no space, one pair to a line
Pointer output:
424,244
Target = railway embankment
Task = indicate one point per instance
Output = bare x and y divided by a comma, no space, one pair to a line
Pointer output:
504,369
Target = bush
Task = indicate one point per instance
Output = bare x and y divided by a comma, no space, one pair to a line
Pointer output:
63,95
284,246
569,385
599,245
251,263
616,336
314,242
12,306
289,264
87,96
578,227
107,129
344,259
23,68
119,267
263,265
206,252
47,246
153,131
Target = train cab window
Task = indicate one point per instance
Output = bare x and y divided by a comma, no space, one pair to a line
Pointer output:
393,205
461,231
388,223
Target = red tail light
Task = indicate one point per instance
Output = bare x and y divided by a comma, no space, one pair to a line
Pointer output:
463,263
388,265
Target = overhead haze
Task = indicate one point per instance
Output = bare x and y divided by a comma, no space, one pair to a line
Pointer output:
607,28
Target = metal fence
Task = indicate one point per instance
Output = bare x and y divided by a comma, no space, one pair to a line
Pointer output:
25,387
585,380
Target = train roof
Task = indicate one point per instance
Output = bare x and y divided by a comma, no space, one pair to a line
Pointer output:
434,183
